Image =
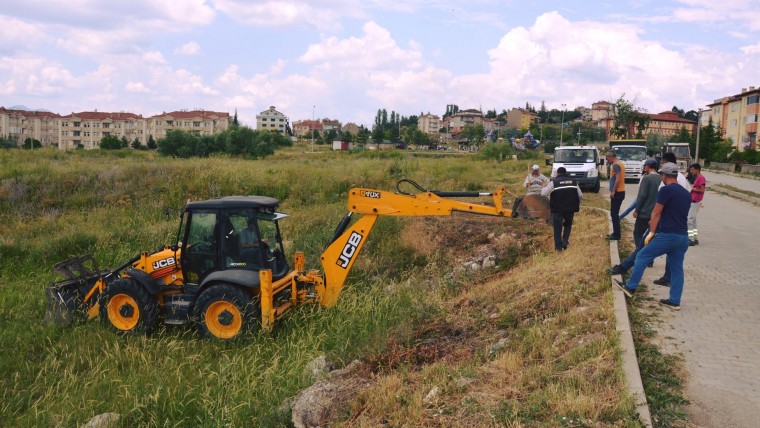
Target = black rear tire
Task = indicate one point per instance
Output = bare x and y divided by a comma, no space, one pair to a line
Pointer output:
225,312
128,308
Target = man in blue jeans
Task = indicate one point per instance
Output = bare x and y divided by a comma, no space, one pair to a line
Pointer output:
671,238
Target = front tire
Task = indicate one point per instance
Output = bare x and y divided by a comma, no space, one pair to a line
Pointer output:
225,312
128,307
597,186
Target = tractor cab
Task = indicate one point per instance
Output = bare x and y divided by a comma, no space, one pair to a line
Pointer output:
231,239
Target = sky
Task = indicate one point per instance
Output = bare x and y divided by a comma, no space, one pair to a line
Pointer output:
345,59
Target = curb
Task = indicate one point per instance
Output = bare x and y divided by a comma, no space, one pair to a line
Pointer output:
734,194
627,348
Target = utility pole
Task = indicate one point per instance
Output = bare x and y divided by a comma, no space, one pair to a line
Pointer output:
313,127
699,116
562,125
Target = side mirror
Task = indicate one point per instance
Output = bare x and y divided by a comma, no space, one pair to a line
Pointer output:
548,162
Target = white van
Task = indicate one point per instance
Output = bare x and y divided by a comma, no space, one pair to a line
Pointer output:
581,163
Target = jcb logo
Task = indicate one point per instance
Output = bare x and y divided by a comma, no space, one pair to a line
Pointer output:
164,263
349,250
370,194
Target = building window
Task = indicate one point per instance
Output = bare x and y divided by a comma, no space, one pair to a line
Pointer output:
197,124
86,125
734,106
77,133
751,118
753,99
76,124
733,123
106,125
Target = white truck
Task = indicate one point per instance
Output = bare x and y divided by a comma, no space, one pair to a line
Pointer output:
581,163
633,153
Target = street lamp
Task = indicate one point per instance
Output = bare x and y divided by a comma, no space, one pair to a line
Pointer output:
313,126
562,125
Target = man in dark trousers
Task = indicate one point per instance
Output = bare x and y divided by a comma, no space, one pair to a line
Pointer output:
617,192
667,235
564,202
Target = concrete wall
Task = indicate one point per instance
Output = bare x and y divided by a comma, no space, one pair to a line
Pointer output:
731,167
752,169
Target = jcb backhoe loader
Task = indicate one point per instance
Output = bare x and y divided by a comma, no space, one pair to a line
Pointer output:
227,273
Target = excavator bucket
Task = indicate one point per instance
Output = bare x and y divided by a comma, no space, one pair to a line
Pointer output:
532,206
66,298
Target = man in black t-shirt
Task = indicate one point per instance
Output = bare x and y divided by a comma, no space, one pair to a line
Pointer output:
564,202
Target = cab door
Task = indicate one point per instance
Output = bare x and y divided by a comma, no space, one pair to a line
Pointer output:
201,249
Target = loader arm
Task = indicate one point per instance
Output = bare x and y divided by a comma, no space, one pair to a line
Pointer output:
339,257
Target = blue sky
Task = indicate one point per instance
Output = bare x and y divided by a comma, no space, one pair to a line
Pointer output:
345,59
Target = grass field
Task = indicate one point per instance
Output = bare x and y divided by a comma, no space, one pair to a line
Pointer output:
528,342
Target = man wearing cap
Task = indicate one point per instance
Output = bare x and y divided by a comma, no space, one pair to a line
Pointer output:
642,206
667,235
535,181
617,192
564,202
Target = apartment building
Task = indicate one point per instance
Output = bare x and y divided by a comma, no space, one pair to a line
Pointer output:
520,118
272,120
86,129
18,125
737,116
303,128
200,122
601,111
352,128
668,124
462,118
429,124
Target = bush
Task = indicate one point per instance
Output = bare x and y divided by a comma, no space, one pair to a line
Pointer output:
498,151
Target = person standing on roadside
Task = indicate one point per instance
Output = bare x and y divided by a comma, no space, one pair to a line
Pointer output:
564,202
697,193
664,280
643,206
667,235
617,192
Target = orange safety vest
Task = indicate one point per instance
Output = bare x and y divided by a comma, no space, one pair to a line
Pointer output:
619,181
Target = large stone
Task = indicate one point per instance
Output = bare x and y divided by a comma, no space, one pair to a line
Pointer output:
104,420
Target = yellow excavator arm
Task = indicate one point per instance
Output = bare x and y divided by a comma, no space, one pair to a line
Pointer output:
340,255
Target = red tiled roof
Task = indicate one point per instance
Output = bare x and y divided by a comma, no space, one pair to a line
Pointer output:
194,114
101,115
670,116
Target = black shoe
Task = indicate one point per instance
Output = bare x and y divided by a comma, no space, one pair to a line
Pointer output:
612,237
661,281
668,303
616,270
627,291
692,243
696,242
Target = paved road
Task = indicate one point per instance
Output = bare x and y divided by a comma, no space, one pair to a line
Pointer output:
718,328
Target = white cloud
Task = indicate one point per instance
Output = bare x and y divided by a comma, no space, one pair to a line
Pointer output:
188,49
320,14
136,87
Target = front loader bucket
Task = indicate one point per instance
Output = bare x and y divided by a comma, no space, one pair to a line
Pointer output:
533,206
57,312
66,298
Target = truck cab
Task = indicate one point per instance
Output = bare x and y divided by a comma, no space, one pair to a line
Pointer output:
682,152
581,163
633,153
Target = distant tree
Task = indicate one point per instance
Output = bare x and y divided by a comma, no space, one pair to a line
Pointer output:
110,142
30,143
630,121
7,143
491,114
124,142
330,136
475,134
363,136
683,136
542,113
151,143
451,109
136,144
235,121
377,134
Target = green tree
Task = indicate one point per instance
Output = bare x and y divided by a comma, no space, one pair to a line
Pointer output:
124,142
151,143
30,143
474,134
630,121
136,144
235,121
451,109
110,142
